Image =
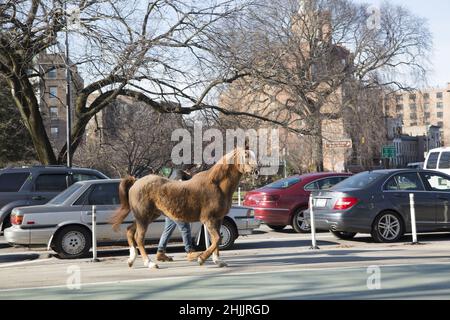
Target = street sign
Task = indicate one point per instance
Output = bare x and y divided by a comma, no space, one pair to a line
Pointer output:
389,152
345,143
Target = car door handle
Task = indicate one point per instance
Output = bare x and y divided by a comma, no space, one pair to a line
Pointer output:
38,198
443,199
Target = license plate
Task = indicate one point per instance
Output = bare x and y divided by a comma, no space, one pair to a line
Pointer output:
320,203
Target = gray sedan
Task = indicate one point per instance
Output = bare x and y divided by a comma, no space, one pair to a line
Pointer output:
377,202
64,223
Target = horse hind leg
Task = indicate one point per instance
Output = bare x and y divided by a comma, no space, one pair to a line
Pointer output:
141,229
131,231
214,231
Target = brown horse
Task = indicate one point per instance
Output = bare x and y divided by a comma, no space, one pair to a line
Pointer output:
206,198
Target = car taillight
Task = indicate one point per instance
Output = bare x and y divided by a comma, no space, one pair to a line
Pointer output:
345,203
270,197
17,220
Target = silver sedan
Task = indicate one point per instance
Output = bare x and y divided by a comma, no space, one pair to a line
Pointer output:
64,224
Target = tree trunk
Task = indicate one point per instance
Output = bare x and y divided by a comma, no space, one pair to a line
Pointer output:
318,143
26,101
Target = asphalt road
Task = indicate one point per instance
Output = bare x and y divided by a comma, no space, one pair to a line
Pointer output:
267,265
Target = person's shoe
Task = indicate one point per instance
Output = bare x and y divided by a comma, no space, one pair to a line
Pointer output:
193,255
161,256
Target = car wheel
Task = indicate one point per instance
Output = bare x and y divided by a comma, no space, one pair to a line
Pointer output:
228,234
276,228
387,228
72,242
299,223
344,235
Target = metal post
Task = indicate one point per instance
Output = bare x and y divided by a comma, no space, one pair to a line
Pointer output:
206,237
94,234
68,93
313,226
239,196
413,218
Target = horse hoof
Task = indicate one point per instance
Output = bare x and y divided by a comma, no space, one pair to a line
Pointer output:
200,261
130,263
153,265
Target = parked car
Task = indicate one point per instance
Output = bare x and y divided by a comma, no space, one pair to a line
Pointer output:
64,223
378,202
283,202
439,160
35,185
415,165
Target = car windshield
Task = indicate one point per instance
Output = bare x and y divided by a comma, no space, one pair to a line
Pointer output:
359,181
284,184
60,198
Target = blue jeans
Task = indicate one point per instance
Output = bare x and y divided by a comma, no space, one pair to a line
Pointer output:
169,226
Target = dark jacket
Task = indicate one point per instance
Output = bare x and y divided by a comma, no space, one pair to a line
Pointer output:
178,174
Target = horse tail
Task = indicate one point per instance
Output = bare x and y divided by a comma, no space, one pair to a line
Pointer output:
121,213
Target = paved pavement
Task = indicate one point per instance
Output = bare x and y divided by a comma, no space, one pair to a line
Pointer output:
267,265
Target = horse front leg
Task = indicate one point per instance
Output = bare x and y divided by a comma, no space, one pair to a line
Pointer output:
214,231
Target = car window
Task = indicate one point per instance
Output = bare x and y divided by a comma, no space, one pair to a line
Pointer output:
312,186
104,194
51,183
405,182
63,196
84,176
432,160
12,182
328,183
284,183
360,180
437,182
444,162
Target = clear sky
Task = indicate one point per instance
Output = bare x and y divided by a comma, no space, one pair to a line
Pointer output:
438,14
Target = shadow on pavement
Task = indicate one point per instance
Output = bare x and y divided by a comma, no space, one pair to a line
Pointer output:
18,257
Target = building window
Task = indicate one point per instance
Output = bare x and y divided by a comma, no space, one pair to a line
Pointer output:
439,95
440,105
413,107
427,115
440,115
399,108
426,96
426,106
440,124
53,112
51,73
412,97
53,92
399,98
413,116
54,130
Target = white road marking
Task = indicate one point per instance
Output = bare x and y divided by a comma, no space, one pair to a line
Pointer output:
225,275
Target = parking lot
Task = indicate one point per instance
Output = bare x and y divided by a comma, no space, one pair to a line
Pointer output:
265,265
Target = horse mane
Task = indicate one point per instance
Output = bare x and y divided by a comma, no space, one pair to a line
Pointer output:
220,170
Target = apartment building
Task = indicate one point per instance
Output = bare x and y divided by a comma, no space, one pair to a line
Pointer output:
423,108
51,90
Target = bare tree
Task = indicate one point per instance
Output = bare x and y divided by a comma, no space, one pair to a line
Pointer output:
152,51
133,139
302,58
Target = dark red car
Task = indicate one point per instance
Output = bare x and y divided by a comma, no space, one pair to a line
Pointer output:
282,203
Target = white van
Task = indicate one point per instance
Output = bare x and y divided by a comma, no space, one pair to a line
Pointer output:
439,160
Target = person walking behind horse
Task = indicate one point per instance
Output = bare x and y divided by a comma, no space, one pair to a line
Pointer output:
184,227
